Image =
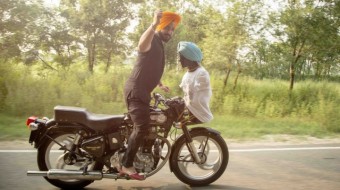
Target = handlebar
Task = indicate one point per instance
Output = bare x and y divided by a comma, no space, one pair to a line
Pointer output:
158,99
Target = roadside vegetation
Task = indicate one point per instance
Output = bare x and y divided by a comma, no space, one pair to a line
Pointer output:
274,67
254,109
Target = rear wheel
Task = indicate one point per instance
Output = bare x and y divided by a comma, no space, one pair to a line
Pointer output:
213,152
51,156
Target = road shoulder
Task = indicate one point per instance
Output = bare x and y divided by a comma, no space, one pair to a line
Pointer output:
267,140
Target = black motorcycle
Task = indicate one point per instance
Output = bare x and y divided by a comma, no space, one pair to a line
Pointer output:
77,147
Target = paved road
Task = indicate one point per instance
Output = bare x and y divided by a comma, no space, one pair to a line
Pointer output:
286,167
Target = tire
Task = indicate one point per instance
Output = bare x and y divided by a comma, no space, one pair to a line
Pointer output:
213,165
51,157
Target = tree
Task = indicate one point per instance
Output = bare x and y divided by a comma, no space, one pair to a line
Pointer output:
324,52
99,25
17,27
55,39
224,45
227,36
309,33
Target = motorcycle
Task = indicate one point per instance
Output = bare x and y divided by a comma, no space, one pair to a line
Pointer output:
77,147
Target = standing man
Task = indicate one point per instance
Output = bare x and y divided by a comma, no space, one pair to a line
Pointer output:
145,76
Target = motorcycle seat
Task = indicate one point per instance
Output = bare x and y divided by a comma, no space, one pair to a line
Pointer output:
97,122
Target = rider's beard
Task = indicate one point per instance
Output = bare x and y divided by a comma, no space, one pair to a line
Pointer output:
164,37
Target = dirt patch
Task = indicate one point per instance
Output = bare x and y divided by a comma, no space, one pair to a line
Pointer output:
285,140
16,144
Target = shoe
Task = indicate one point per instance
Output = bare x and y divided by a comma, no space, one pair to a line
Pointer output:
134,175
119,169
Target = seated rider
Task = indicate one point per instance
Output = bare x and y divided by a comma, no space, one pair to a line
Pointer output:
195,82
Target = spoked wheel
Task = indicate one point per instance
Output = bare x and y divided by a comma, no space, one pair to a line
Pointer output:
161,154
52,155
214,155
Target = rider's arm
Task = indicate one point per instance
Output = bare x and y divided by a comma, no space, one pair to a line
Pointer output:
145,40
163,87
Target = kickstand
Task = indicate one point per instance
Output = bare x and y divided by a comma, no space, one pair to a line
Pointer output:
84,168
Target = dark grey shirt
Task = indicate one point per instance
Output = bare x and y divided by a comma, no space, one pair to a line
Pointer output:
147,72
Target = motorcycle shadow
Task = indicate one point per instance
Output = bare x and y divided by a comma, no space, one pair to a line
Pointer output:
177,187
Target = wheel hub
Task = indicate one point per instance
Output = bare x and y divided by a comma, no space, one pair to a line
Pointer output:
70,158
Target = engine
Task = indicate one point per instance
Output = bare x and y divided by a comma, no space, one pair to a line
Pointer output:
143,162
146,158
157,117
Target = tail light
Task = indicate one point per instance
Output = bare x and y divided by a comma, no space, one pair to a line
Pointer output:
31,124
30,120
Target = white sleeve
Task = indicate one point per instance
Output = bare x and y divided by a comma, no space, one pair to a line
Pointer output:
182,82
202,81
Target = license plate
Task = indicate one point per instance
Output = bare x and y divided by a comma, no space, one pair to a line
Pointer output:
33,136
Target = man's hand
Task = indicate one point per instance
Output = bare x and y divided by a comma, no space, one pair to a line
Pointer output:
157,18
164,88
145,40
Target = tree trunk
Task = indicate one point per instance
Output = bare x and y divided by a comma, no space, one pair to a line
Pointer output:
108,61
239,70
91,56
292,76
226,79
296,57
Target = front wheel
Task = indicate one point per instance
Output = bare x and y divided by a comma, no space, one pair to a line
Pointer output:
212,150
51,156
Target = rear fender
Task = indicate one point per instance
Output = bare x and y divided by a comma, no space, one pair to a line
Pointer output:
56,128
193,131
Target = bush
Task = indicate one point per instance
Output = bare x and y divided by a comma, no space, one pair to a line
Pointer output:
27,90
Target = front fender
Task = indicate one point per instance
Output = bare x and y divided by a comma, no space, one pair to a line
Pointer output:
194,130
205,129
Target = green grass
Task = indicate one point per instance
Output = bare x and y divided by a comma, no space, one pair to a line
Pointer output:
13,128
241,128
231,127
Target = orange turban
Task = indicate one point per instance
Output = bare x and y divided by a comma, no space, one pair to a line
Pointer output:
167,18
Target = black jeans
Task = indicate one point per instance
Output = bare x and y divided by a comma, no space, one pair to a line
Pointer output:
140,115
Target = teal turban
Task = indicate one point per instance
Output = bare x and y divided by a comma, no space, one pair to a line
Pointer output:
190,51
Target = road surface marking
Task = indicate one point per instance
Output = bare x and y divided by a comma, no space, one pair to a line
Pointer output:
283,149
230,150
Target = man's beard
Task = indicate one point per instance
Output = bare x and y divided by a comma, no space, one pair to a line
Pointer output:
164,37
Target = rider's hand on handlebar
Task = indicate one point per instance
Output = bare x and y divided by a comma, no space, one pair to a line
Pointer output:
164,88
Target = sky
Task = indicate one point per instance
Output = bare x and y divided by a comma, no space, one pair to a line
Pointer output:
50,3
273,5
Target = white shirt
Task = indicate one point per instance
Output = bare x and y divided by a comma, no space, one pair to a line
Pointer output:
197,93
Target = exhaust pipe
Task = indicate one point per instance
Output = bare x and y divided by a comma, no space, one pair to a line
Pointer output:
72,174
75,174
